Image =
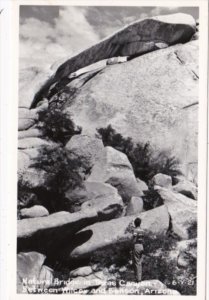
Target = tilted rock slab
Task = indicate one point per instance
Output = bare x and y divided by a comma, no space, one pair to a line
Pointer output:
114,232
183,211
136,39
47,233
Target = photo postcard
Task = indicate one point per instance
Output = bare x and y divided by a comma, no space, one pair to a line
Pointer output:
111,149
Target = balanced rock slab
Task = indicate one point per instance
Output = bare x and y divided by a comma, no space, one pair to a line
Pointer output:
136,39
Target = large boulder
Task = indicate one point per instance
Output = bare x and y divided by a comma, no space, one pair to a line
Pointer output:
161,107
86,148
135,39
115,169
162,180
29,265
135,206
116,232
104,196
183,212
91,194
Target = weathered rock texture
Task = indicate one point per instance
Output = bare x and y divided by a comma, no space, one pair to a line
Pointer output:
154,98
135,39
86,148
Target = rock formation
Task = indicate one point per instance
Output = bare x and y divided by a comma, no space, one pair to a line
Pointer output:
135,39
145,85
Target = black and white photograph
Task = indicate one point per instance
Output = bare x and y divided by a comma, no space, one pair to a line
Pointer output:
108,141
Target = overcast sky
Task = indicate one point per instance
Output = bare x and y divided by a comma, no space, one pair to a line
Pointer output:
50,33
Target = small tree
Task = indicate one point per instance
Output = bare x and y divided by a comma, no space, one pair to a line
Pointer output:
145,164
57,125
61,167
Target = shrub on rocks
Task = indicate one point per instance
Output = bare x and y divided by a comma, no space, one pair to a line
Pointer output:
63,170
144,161
57,125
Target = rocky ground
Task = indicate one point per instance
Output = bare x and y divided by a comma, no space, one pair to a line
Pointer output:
78,198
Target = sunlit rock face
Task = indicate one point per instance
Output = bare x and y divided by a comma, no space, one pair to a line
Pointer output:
152,98
136,39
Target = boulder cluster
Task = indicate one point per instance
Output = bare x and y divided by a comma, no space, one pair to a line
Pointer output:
81,242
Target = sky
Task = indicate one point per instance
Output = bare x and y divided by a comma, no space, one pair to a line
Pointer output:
55,33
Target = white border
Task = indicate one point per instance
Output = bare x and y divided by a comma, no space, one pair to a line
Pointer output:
10,141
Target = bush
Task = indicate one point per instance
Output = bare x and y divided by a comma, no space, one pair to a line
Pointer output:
145,164
57,125
61,167
159,264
